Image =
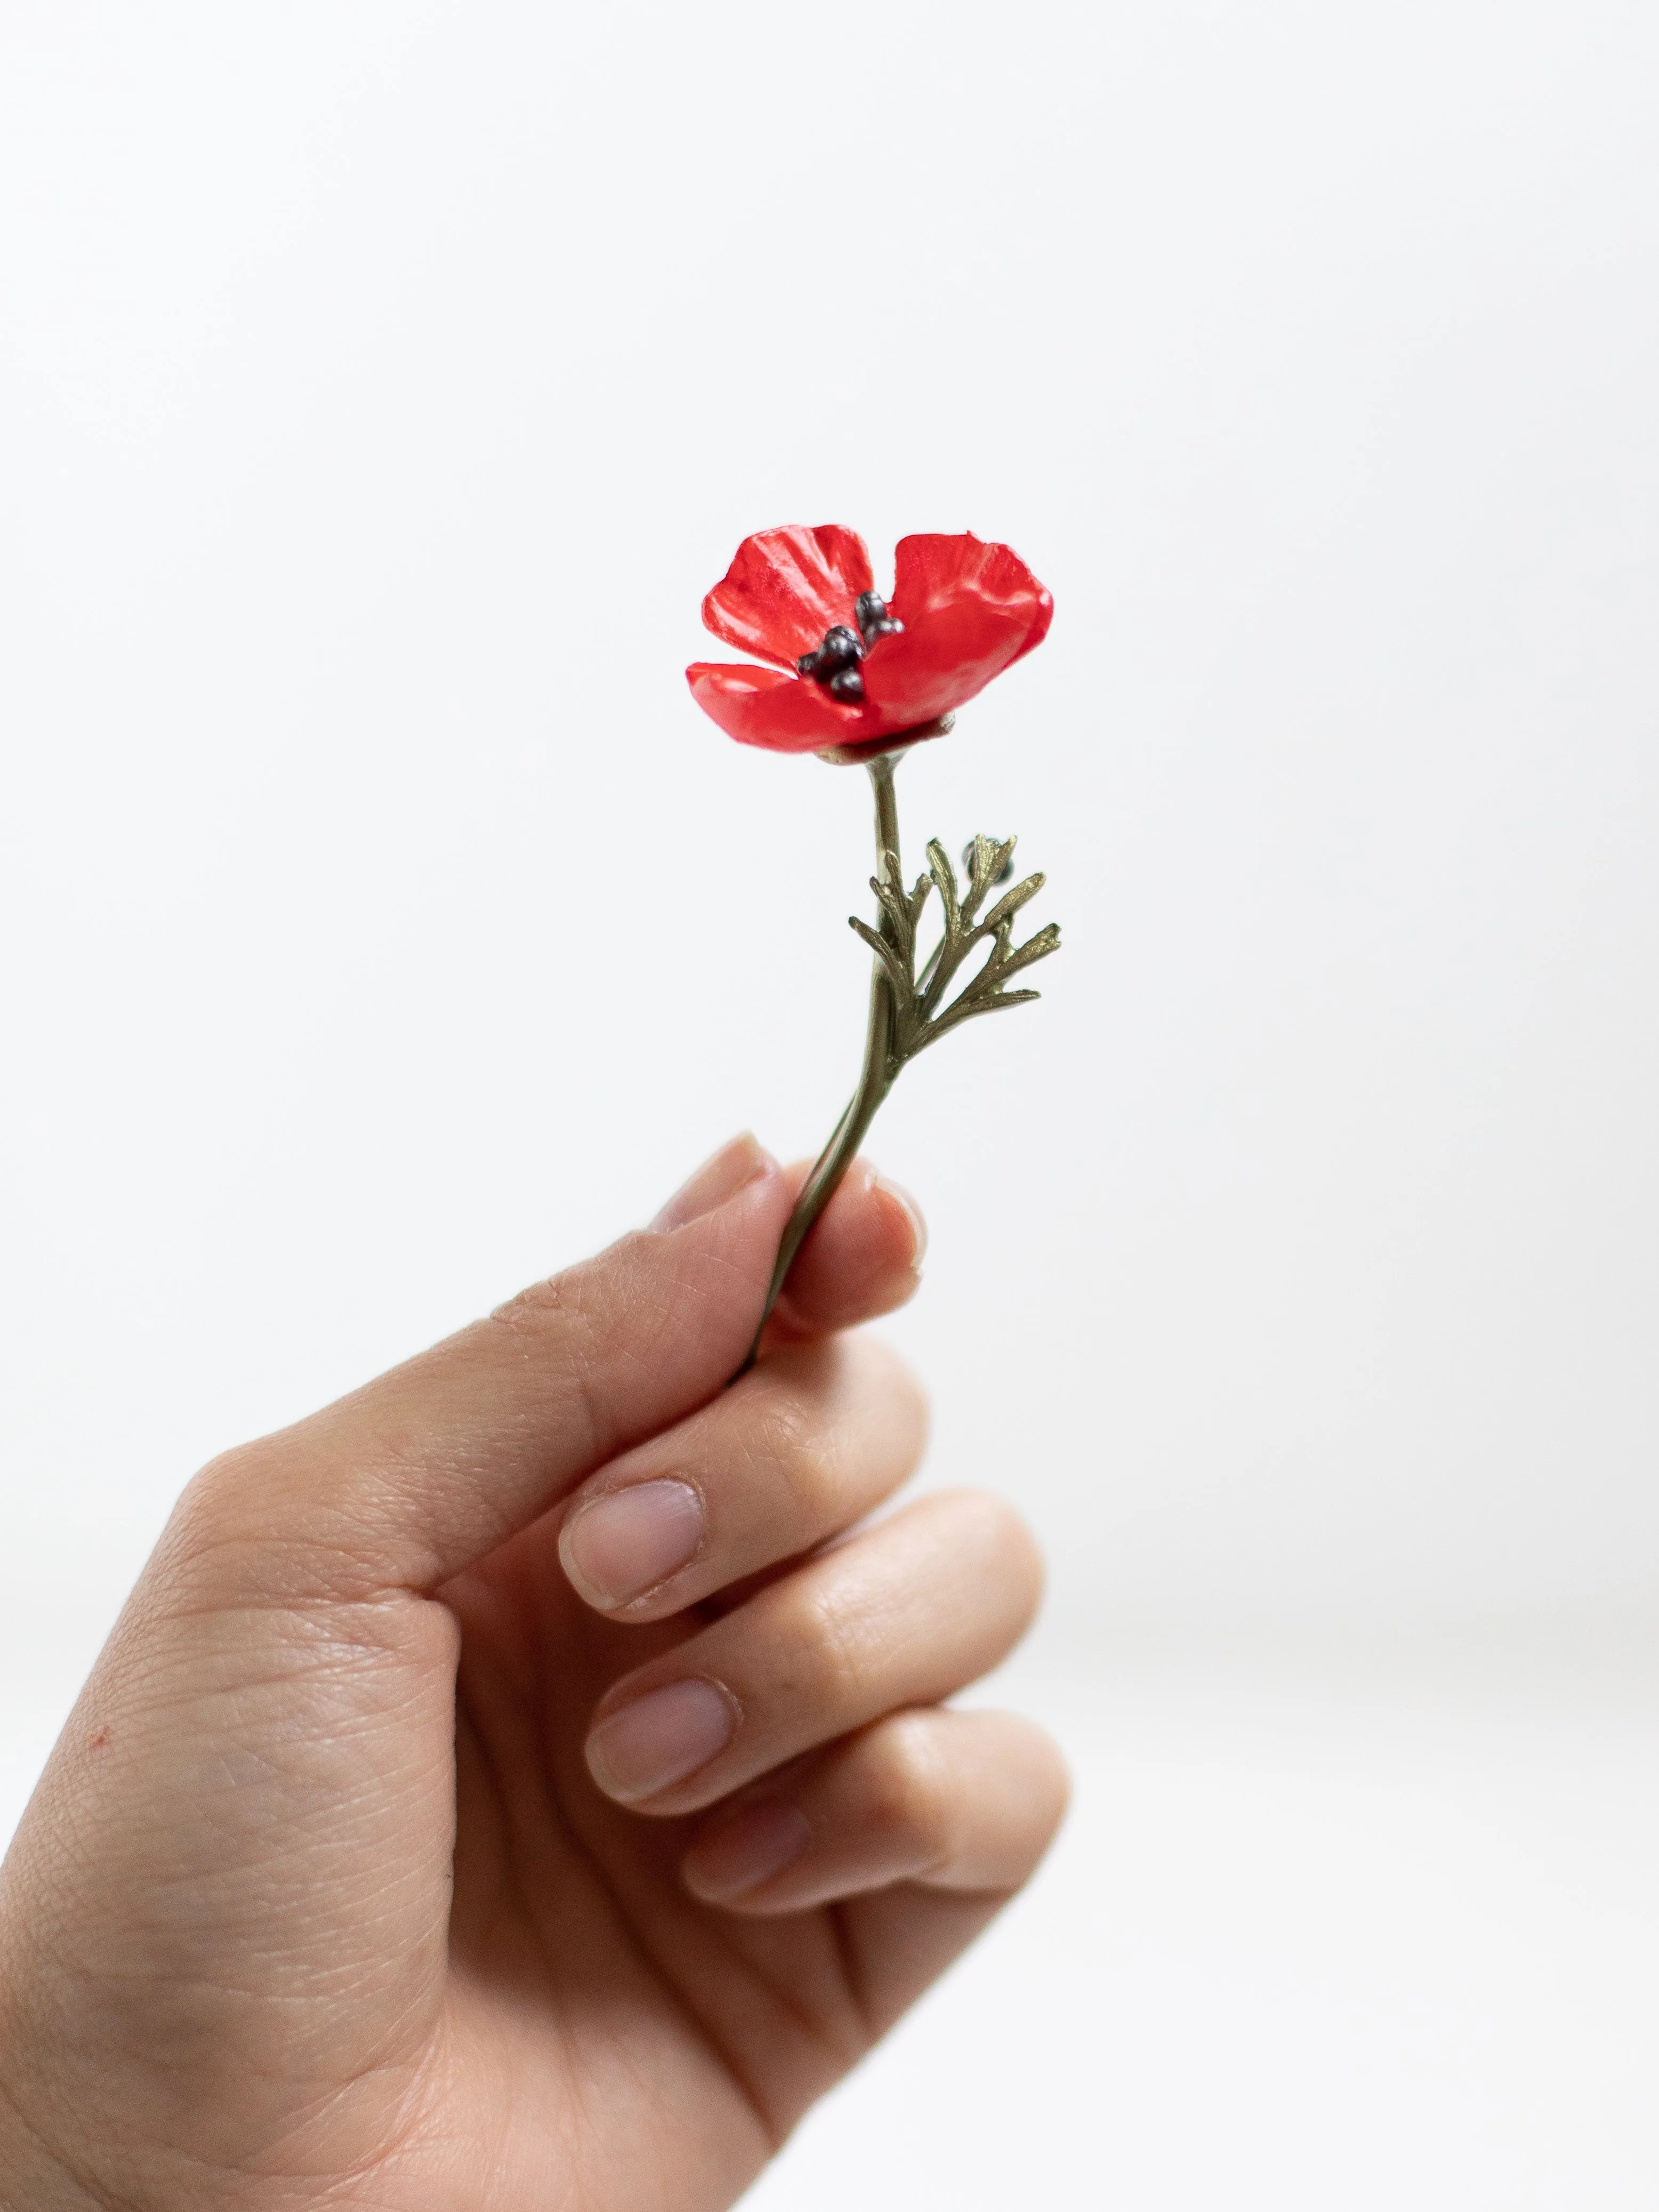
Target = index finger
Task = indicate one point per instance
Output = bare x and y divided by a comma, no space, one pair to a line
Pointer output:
862,1258
417,1475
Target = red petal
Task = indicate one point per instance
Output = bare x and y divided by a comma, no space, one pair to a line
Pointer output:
969,609
931,571
786,587
765,707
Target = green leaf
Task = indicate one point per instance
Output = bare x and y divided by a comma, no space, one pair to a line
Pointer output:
897,907
888,954
965,1010
1010,902
990,860
945,876
1034,949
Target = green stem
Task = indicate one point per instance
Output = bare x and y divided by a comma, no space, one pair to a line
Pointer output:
876,1077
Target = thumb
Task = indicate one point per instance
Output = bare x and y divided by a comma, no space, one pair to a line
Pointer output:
414,1477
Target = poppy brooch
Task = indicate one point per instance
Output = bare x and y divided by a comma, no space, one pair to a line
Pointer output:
859,680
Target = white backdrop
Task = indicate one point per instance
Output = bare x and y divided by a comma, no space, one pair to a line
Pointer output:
381,386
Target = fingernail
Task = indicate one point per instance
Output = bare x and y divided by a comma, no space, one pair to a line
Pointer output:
628,1542
661,1739
746,1852
716,1179
919,1227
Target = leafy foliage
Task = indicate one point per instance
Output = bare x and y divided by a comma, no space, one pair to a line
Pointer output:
919,1011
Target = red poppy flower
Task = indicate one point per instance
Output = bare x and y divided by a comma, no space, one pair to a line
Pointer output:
847,668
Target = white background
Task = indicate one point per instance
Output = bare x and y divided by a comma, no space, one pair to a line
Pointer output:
381,387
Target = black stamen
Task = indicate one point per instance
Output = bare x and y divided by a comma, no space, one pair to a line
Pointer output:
869,610
840,648
835,663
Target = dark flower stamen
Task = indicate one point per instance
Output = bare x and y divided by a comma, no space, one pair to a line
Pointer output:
835,663
870,611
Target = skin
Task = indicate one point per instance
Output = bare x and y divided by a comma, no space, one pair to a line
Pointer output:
345,1886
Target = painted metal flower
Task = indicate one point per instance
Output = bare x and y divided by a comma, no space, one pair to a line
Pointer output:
847,668
860,681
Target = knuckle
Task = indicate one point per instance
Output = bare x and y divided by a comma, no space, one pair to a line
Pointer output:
906,1796
556,1323
832,1658
529,1310
216,1545
903,1401
793,1445
994,1529
254,1526
576,1306
1034,1764
217,1507
840,1423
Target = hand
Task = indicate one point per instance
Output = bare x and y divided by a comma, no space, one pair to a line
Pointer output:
512,1787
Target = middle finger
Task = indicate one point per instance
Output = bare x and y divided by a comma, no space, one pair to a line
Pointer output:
807,1444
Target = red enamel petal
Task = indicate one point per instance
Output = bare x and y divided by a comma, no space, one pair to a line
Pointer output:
786,587
944,657
765,707
933,571
969,609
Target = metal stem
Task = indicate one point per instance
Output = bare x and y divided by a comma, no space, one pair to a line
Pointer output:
876,1077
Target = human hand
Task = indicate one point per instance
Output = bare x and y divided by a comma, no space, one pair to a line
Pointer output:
494,1795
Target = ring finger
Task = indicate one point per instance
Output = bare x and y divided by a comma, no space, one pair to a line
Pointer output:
903,1615
960,1801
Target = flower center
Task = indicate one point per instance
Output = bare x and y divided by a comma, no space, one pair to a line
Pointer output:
835,663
